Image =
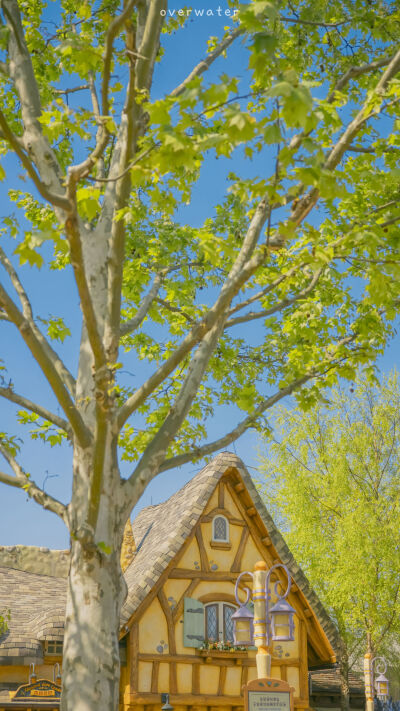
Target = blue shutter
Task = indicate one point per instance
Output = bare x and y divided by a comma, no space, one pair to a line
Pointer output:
193,623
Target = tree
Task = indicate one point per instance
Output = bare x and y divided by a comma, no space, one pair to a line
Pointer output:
303,245
333,480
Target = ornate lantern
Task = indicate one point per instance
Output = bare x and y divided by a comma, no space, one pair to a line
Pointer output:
382,687
243,628
282,621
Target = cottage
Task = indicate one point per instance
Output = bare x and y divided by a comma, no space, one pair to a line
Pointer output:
181,560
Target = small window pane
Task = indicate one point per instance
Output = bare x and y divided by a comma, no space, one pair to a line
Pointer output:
228,623
220,532
53,647
212,623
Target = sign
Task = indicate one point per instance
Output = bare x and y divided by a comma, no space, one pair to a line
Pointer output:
41,689
268,695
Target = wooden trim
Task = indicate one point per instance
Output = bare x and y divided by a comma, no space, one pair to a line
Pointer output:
221,495
303,674
221,681
154,676
217,597
256,531
196,678
218,576
283,670
239,487
206,518
188,699
205,566
307,612
170,623
196,659
237,563
266,541
173,684
221,545
245,676
178,611
133,656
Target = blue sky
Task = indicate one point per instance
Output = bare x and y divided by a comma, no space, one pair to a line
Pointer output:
21,520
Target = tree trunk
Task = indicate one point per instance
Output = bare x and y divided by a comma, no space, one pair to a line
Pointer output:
344,681
96,591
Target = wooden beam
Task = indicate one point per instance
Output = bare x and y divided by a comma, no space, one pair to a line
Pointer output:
237,563
266,541
239,487
221,681
221,495
218,576
133,656
197,660
170,623
178,610
154,676
206,518
303,661
205,565
251,511
198,699
196,678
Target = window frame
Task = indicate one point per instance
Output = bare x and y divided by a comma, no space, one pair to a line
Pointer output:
220,605
220,540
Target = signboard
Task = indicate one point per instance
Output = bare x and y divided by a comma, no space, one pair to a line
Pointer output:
41,689
268,695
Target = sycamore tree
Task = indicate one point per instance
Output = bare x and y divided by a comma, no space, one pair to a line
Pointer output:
300,242
332,476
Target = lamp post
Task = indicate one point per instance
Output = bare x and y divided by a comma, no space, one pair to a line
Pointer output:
167,706
380,684
269,623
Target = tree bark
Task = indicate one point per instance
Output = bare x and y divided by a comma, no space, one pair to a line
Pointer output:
91,667
344,681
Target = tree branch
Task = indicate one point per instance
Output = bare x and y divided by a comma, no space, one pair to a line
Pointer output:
54,199
9,394
22,74
205,63
306,204
61,369
47,367
246,423
78,265
279,306
23,481
241,271
134,323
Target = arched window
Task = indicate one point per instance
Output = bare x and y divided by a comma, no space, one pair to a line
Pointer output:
218,620
220,529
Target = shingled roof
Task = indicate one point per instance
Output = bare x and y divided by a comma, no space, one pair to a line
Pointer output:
37,605
37,602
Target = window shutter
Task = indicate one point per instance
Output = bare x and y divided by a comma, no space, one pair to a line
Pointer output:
193,623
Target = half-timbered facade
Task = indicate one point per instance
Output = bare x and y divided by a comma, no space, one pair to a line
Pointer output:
181,561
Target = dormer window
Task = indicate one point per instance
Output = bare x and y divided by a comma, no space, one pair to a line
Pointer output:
220,529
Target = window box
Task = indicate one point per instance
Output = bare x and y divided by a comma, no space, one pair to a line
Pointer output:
210,654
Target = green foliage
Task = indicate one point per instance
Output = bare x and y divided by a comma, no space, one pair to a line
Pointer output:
331,478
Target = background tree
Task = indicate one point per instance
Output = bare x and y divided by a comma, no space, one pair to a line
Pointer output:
332,476
303,245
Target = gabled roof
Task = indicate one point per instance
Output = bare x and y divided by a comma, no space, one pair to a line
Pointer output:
37,602
160,531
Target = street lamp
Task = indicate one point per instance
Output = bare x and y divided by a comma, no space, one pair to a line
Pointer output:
268,624
380,684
